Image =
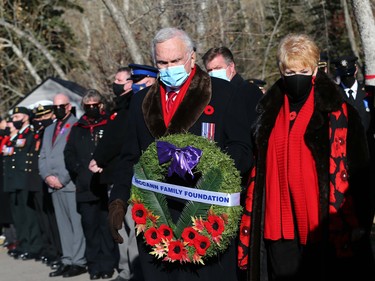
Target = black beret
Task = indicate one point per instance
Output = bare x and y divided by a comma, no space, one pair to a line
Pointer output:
21,109
140,71
346,65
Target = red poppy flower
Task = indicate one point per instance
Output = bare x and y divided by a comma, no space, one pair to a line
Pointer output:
209,110
20,136
67,126
139,214
189,234
176,250
152,236
202,243
113,116
165,232
339,146
214,225
36,136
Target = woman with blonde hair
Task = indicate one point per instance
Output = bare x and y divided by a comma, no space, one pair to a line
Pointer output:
307,205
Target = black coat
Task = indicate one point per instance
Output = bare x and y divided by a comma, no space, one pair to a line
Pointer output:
107,152
81,144
146,124
327,99
19,169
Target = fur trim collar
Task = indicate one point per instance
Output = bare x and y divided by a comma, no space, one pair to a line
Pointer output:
192,106
327,99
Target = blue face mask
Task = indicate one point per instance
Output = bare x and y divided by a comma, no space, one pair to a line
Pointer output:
138,87
219,73
174,76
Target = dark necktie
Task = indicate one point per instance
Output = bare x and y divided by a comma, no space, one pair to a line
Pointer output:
57,131
350,92
170,101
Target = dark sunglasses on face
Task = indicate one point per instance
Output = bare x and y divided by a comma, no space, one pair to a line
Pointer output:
60,106
93,105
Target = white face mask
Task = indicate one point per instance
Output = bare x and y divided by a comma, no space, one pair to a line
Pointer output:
219,73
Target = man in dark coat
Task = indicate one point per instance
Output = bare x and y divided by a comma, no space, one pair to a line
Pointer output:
51,250
197,102
18,156
106,155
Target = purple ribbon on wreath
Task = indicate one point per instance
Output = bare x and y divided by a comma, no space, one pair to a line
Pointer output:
183,160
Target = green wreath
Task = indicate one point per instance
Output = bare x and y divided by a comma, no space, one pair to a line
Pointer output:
202,230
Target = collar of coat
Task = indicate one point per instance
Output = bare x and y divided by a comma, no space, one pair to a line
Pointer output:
327,99
192,106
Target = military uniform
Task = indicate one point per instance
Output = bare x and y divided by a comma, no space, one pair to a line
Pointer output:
42,199
18,169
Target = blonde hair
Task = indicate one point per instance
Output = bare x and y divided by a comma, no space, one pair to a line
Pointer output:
297,50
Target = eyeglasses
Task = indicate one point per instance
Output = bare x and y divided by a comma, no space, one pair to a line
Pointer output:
60,106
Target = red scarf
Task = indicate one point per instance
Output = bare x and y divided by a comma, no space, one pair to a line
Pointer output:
292,183
181,94
342,219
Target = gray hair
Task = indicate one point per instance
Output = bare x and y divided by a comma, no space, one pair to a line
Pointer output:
94,95
165,34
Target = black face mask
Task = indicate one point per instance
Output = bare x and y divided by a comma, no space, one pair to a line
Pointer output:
38,125
5,132
18,124
298,86
348,81
118,89
59,112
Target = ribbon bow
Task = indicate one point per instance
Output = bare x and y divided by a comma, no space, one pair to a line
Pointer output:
183,160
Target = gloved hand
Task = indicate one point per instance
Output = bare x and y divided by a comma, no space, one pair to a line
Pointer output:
116,216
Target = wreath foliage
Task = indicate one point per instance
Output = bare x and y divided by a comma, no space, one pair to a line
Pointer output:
202,230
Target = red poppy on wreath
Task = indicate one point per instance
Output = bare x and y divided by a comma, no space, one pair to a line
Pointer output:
139,214
189,235
202,243
177,251
113,116
152,236
214,225
165,232
209,110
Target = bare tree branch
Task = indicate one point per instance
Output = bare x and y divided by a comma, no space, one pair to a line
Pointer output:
37,44
125,31
275,27
366,25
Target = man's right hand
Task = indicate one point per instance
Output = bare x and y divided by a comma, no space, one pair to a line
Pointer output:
116,217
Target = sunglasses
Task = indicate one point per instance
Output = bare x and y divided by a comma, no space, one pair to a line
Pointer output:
60,106
92,105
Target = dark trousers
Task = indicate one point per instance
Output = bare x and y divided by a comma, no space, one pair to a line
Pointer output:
25,222
101,250
42,201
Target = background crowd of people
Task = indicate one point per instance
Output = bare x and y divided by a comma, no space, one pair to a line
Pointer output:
304,150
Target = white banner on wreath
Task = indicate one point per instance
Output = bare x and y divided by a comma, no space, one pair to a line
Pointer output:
190,194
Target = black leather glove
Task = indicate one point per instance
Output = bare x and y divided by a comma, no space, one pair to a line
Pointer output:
116,216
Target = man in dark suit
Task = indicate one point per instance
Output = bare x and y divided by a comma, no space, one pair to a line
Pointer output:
219,63
51,251
52,169
106,154
184,99
352,91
